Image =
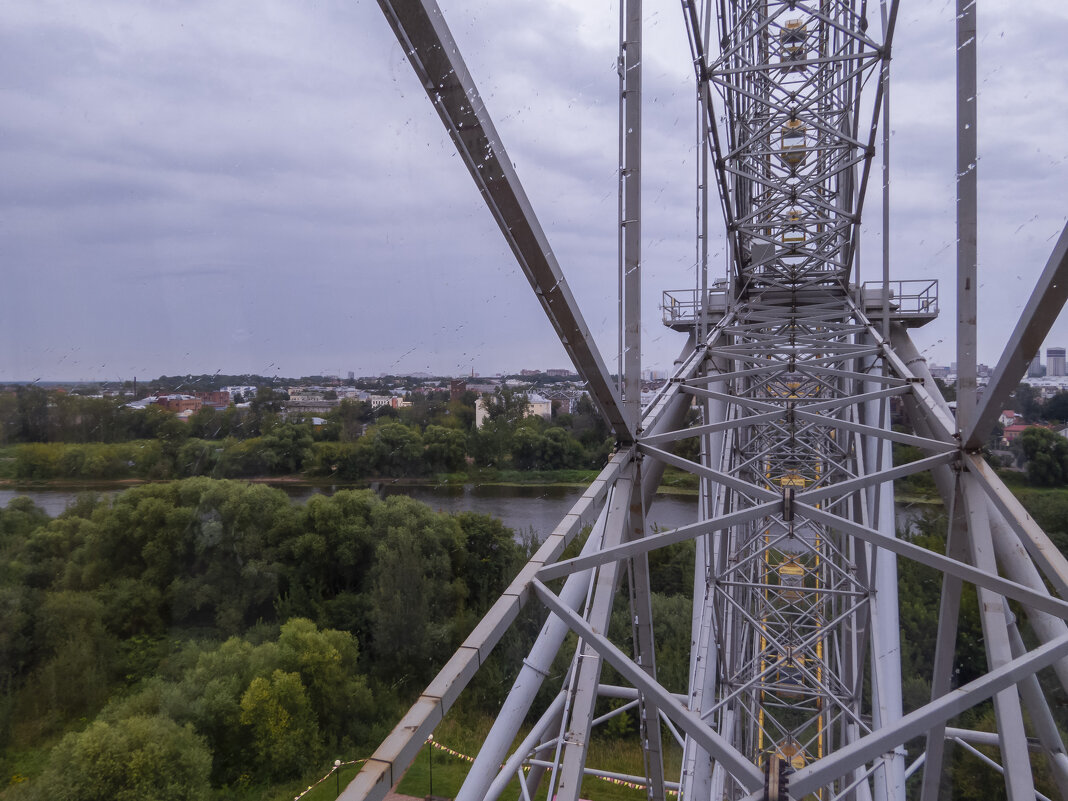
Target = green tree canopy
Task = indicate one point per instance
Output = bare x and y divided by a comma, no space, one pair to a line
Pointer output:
1045,455
129,760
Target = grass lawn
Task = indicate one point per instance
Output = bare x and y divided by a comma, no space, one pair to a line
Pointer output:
450,771
466,738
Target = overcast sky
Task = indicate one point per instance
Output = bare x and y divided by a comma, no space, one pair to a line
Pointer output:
261,186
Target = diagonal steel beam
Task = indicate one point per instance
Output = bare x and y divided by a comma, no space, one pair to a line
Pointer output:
882,433
579,717
654,541
1038,317
811,777
400,748
981,578
1019,783
743,770
874,478
428,44
1040,547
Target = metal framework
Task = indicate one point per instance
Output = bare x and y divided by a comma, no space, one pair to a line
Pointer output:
792,365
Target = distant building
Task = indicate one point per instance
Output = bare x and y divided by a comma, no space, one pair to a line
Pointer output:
1007,418
537,406
1012,432
530,372
557,372
304,394
393,401
246,392
1055,361
309,406
218,400
179,403
1034,369
457,388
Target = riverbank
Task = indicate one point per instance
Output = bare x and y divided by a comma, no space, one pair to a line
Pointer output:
675,481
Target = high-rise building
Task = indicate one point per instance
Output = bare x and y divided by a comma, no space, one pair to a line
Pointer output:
1055,361
1034,369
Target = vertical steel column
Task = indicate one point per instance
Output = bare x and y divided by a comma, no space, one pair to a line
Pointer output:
885,329
630,214
884,618
641,610
967,214
704,657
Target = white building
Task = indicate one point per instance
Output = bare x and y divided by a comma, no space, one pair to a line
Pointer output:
537,406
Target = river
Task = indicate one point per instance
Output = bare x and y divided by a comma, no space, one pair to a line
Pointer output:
522,508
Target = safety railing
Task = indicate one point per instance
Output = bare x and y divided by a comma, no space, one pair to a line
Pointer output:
908,298
682,307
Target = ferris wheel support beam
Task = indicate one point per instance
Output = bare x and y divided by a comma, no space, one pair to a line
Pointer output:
630,207
884,619
1038,317
811,777
432,52
1019,782
967,214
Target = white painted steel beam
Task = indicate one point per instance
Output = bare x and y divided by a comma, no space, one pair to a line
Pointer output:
432,52
1041,312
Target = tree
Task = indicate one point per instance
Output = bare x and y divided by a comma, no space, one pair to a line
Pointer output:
393,449
129,760
284,731
326,661
1045,454
207,423
526,448
1056,408
508,405
75,656
491,444
351,416
559,451
491,558
446,449
287,446
413,595
948,390
1026,401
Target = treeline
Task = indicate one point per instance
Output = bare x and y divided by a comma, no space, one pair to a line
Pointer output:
433,436
31,414
218,621
1028,402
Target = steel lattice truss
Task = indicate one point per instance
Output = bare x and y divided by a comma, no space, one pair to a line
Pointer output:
792,369
790,75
